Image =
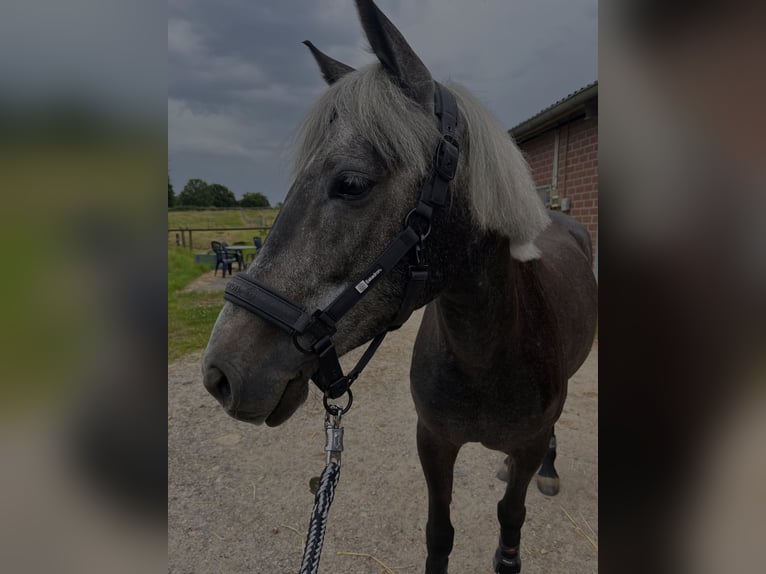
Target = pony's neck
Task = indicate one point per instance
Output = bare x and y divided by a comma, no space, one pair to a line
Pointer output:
479,304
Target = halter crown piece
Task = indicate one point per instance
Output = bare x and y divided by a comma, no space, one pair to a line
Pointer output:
320,326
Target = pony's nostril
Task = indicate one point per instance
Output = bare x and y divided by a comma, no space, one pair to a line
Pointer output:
218,385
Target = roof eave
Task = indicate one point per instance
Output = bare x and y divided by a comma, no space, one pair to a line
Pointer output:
557,114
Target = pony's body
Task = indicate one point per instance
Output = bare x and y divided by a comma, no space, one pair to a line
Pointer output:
490,365
510,292
502,340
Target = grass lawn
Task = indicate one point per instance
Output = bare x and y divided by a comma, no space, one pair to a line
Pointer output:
220,218
190,315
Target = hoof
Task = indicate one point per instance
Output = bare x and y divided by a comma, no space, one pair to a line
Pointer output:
504,564
548,485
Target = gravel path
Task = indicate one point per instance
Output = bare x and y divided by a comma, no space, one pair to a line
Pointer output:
210,281
238,497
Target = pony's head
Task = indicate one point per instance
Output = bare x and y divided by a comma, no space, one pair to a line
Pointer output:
362,155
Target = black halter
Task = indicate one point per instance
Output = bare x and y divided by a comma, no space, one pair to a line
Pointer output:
320,326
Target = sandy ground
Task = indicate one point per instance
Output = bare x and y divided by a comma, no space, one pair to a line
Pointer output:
210,281
239,502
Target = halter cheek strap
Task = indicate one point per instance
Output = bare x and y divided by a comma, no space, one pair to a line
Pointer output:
320,326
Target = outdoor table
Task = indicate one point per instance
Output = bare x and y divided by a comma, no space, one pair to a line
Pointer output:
241,249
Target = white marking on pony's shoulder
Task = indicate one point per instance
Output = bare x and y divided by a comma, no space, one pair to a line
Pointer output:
525,252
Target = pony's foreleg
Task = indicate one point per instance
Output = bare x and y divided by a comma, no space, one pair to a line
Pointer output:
511,512
437,457
547,477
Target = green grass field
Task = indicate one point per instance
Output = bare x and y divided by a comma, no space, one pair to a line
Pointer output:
191,315
203,220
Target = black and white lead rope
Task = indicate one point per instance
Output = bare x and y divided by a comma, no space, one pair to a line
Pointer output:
318,523
325,492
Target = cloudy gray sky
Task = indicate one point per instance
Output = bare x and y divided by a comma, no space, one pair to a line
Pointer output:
239,79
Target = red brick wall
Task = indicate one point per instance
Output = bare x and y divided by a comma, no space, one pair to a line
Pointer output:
539,154
578,168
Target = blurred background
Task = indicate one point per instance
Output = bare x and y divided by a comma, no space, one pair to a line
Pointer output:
83,158
683,279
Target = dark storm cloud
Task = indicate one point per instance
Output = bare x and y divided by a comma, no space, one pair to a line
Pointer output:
240,80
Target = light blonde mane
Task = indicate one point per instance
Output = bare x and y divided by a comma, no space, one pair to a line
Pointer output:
500,185
502,195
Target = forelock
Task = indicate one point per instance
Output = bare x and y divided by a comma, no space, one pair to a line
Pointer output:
372,106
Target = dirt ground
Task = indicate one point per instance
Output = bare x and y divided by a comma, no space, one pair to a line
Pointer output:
239,501
209,281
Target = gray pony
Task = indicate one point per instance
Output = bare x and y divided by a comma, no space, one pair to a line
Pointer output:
511,299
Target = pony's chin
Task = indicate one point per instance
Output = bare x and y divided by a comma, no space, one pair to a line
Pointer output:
294,396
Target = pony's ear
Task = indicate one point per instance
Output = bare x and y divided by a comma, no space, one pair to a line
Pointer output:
396,56
332,70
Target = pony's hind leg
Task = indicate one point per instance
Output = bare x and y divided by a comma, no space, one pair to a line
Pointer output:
437,457
547,477
511,512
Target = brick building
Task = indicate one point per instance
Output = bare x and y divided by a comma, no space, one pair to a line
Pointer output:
561,147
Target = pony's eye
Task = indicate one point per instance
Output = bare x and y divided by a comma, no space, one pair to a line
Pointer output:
350,186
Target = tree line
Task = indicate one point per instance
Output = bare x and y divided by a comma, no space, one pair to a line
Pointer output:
199,193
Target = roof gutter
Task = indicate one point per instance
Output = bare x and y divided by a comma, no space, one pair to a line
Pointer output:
555,116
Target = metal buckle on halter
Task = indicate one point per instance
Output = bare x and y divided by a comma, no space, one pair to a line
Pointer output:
424,211
445,162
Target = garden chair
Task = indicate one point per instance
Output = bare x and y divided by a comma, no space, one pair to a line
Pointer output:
223,258
234,253
258,244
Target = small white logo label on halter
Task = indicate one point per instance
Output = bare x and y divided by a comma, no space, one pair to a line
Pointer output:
361,287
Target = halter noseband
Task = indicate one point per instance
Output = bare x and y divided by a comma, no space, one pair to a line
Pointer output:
293,318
